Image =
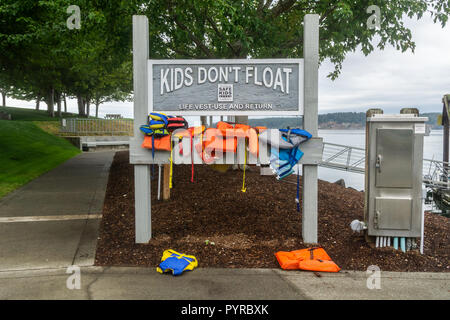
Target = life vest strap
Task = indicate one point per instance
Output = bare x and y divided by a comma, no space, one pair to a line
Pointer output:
171,165
192,159
245,165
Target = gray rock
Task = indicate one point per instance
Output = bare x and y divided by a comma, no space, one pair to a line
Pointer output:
341,182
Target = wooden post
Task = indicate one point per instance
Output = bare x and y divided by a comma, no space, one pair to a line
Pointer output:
445,123
241,119
204,121
142,188
310,123
166,178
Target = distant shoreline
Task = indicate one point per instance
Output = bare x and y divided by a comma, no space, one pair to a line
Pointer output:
341,126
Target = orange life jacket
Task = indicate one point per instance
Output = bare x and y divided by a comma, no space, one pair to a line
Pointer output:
187,133
312,259
162,143
319,265
224,139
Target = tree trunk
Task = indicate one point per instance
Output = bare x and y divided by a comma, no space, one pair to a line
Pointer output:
38,101
4,98
65,104
97,104
80,102
51,103
58,103
88,107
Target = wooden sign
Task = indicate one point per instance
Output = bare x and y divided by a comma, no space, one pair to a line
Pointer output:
277,87
220,87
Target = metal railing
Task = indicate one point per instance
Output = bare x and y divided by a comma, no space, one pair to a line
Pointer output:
436,173
352,159
112,127
341,157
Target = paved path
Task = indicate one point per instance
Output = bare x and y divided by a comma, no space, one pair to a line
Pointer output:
52,221
221,284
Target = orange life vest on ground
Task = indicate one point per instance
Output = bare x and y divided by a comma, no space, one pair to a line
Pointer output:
312,259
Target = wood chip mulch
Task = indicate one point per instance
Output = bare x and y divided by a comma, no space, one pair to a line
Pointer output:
247,228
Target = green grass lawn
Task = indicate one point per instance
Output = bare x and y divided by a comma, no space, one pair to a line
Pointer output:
26,152
23,114
40,118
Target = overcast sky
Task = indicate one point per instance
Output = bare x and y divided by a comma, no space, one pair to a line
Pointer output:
390,79
385,79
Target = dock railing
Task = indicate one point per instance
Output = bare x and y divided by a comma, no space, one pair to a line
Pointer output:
341,157
352,159
86,127
436,173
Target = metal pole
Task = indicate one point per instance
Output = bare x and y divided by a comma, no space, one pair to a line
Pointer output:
142,198
310,123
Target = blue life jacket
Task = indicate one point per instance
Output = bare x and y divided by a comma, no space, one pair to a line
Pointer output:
282,161
176,262
299,132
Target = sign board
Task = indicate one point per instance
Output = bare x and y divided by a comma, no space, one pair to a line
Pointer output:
225,87
220,87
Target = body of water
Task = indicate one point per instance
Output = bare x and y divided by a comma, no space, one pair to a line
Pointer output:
356,138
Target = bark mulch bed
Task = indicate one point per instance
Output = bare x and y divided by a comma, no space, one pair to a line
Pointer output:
247,228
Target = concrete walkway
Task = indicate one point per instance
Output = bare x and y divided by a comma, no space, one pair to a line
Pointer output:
221,284
52,221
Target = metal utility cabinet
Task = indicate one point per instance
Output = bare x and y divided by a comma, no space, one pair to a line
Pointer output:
393,184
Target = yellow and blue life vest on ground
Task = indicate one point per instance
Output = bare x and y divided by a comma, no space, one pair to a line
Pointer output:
176,262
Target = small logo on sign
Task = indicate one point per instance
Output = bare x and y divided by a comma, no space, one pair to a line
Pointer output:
225,92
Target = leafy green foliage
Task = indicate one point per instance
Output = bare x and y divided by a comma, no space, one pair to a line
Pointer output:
42,57
270,29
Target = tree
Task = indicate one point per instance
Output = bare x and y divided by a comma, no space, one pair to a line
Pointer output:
32,47
270,29
43,58
4,88
114,86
